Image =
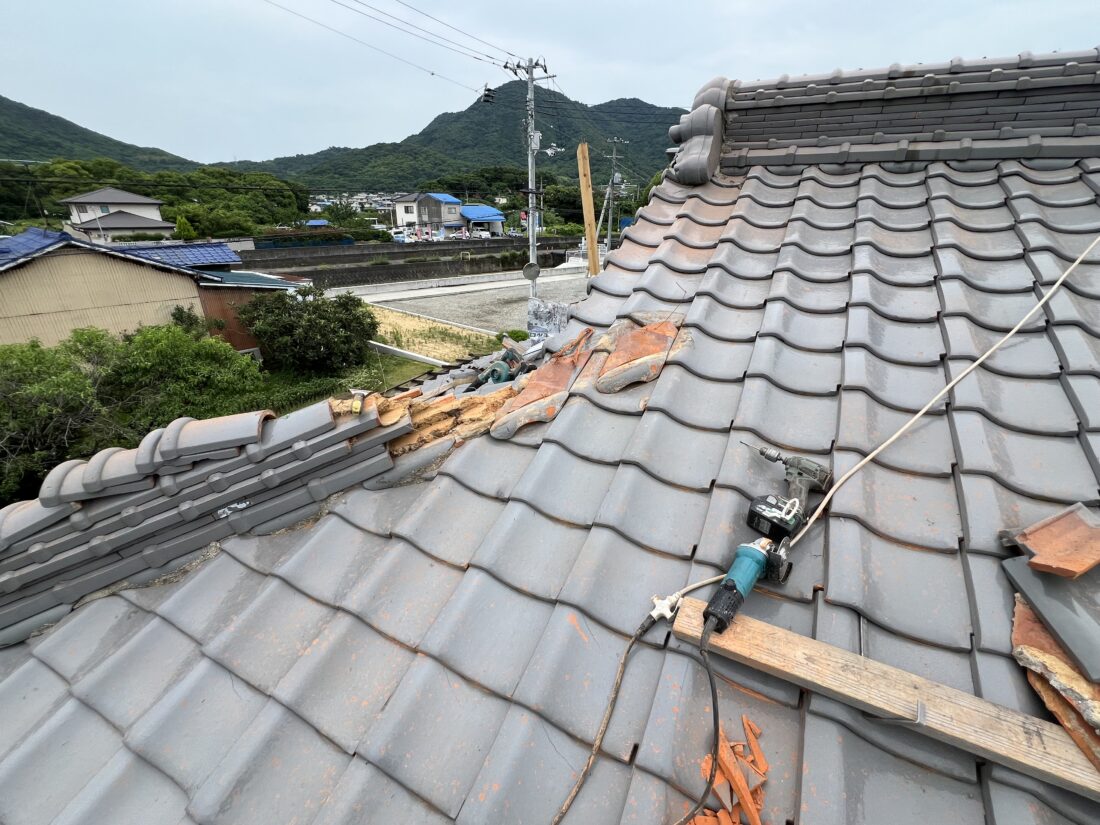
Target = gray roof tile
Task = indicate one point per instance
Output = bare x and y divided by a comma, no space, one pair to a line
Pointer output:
903,387
805,330
331,559
1001,680
588,431
1019,460
344,680
433,706
910,509
793,369
570,674
528,773
732,290
29,694
1030,405
1028,354
363,790
193,726
790,420
643,573
301,770
563,486
529,551
127,789
70,746
121,689
865,424
846,763
265,640
990,507
401,595
649,512
909,591
448,521
892,268
949,667
76,647
671,452
493,654
992,310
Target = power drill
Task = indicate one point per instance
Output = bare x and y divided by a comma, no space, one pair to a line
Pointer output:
763,557
777,517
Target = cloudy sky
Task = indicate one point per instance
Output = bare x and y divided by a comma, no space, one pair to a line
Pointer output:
217,80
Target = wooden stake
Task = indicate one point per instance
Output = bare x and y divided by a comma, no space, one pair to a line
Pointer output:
1029,745
590,239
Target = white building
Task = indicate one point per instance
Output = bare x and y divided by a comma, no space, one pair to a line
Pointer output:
107,214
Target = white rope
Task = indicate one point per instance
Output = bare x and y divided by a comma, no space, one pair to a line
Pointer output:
915,418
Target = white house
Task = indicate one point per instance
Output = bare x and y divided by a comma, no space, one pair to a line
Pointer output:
107,214
427,212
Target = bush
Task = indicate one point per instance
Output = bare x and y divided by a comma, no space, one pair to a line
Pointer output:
94,390
50,412
370,235
306,331
516,335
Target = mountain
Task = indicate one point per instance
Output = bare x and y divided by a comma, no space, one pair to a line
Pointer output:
32,134
492,134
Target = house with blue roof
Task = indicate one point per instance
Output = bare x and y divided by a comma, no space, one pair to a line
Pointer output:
52,283
427,213
479,217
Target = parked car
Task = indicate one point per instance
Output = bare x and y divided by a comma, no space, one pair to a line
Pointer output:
481,234
515,233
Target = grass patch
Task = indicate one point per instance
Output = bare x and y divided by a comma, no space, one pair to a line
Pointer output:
286,391
430,338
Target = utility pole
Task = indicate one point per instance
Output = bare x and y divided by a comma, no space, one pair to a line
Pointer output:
614,157
528,68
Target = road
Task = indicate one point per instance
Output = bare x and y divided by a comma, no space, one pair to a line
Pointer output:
491,306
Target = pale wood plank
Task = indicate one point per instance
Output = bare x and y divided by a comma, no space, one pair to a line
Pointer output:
1029,745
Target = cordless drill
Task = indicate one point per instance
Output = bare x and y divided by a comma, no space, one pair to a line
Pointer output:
778,517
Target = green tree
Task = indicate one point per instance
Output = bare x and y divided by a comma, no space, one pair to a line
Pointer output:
50,412
341,213
306,331
184,230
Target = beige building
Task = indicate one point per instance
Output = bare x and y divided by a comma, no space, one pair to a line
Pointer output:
51,284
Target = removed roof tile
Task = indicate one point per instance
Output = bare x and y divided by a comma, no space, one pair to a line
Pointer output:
1065,544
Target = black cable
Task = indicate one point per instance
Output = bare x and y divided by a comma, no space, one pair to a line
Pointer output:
643,628
704,642
342,33
464,52
455,28
492,58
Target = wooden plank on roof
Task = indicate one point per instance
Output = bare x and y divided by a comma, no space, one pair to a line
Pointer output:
1031,746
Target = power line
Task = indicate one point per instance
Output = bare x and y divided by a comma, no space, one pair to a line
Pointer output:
370,45
464,51
460,31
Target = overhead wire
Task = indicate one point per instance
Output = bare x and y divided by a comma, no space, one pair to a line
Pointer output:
371,46
464,51
455,28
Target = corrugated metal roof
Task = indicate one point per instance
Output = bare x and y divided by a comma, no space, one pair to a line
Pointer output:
353,667
255,280
110,194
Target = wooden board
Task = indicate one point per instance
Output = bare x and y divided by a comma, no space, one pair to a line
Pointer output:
584,172
1029,745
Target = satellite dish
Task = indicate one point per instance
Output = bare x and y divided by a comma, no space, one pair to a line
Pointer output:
530,270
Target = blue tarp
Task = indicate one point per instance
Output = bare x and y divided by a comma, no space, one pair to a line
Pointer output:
443,197
28,242
481,213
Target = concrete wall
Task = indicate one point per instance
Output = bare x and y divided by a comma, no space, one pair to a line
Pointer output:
53,295
395,273
280,260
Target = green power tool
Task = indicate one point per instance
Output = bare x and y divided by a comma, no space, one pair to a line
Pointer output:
763,557
778,517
